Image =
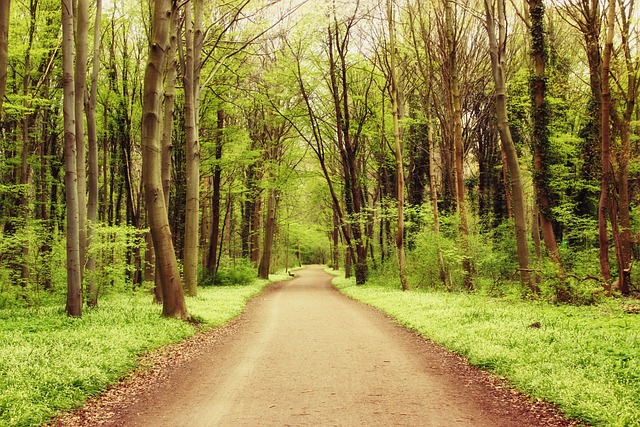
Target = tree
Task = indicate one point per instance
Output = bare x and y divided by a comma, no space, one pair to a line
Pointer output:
632,71
540,134
605,139
74,276
5,6
173,303
81,39
349,141
496,22
93,172
394,94
190,79
458,148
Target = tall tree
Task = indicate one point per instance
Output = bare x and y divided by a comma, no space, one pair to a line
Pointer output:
496,28
540,134
349,132
585,16
82,39
421,43
191,236
632,71
605,152
213,260
74,277
458,148
93,170
5,7
394,92
173,303
191,81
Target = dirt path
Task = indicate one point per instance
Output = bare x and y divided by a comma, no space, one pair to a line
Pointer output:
303,354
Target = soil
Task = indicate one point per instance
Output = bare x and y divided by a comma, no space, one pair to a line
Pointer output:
304,354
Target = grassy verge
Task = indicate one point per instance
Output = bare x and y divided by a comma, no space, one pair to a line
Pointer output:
49,362
585,360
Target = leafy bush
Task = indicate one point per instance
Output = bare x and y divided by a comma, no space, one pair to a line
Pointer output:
243,273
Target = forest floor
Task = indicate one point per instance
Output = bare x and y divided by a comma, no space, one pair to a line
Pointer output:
304,354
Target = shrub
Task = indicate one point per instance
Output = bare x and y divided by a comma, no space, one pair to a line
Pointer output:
243,273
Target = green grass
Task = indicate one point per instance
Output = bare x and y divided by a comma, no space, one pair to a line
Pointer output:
50,362
585,360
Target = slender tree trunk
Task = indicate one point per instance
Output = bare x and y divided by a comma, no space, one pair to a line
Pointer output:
166,144
605,153
540,131
506,181
624,255
349,149
269,233
92,134
173,304
212,260
82,36
537,244
427,102
458,148
402,262
74,281
335,234
434,195
191,237
5,6
497,53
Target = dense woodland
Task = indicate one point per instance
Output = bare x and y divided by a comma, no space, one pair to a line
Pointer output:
456,145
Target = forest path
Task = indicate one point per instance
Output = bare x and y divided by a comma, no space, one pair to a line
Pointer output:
304,354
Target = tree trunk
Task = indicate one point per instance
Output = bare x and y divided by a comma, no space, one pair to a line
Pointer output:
212,261
497,53
335,234
434,195
173,304
458,148
605,152
92,204
623,246
394,92
349,149
82,38
74,281
191,237
5,6
540,131
269,233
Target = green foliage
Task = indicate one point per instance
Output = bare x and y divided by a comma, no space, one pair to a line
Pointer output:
113,248
585,360
242,273
55,362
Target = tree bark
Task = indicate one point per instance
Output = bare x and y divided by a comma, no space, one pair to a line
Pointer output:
605,153
82,36
623,246
173,304
74,280
212,259
269,233
394,92
191,237
541,132
5,7
458,148
497,51
92,203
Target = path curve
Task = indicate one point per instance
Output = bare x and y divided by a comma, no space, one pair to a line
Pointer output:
304,354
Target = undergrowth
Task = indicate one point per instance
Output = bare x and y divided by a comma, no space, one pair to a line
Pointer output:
50,362
585,360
